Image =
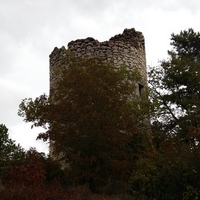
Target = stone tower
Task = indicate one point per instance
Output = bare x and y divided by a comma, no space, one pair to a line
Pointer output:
126,49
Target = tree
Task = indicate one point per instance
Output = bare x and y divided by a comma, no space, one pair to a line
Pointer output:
92,115
175,125
176,85
10,153
8,149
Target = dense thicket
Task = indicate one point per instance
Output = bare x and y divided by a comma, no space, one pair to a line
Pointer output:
28,174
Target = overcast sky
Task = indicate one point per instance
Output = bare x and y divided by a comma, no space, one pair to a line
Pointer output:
30,29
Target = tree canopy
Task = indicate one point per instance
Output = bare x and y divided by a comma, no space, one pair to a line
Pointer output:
93,115
9,150
172,171
176,86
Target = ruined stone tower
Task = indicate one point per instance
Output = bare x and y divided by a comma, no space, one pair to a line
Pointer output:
126,49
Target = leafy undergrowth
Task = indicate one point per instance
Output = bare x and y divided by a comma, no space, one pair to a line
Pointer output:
84,193
39,179
54,192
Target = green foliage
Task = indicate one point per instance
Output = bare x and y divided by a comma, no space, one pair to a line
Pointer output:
93,114
54,171
8,149
175,86
172,170
191,194
10,153
158,177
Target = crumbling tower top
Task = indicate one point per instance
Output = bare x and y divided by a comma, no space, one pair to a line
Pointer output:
126,49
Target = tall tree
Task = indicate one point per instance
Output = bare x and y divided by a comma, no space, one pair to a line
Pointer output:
92,114
9,150
176,124
10,153
176,86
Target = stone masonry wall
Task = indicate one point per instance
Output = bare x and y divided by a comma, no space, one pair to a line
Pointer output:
126,49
